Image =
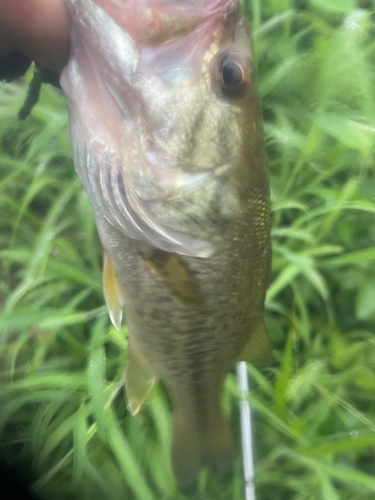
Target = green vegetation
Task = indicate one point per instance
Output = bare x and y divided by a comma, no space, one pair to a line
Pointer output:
63,415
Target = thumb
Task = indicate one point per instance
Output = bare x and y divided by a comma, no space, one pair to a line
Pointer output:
38,28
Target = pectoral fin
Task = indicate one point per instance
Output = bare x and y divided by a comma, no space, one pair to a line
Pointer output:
139,380
177,277
112,292
259,348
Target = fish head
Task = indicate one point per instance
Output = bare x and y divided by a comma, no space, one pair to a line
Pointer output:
165,116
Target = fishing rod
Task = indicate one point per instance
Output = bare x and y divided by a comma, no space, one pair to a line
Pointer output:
246,431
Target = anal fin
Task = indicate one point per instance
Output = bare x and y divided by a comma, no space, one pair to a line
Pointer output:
139,380
112,292
259,348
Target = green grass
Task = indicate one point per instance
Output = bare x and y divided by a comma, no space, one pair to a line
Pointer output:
63,415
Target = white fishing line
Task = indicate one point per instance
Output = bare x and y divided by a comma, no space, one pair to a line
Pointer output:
246,431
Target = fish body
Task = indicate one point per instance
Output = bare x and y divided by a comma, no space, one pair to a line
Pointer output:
166,135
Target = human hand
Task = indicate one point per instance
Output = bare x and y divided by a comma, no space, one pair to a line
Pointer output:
40,29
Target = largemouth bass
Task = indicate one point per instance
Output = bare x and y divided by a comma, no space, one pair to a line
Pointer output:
166,135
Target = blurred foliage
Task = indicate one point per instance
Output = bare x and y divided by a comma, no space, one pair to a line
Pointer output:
63,416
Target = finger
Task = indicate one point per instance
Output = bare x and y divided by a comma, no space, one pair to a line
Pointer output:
39,28
5,47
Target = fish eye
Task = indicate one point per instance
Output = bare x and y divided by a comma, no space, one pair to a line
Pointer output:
234,75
